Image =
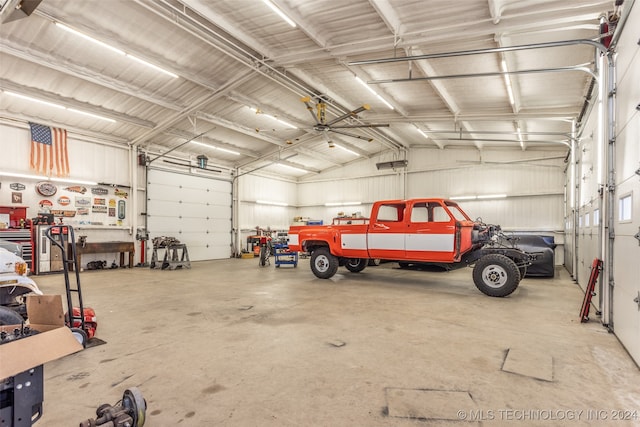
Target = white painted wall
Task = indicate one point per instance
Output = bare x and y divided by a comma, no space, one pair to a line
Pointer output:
89,160
533,181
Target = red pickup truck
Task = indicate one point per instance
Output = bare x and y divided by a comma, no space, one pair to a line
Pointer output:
418,231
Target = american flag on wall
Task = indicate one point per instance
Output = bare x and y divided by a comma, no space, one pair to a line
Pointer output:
49,150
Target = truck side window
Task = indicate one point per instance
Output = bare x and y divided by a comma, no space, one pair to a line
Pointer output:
390,213
440,214
420,213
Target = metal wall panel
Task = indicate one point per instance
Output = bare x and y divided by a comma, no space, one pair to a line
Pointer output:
87,160
253,188
193,209
626,251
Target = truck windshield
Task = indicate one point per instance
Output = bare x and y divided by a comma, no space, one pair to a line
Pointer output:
457,213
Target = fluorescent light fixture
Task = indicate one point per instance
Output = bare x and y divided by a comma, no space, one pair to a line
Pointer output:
255,110
95,116
46,178
507,81
520,136
363,83
395,164
155,67
268,202
346,149
61,107
284,123
385,102
422,133
292,168
212,147
91,39
463,197
28,98
343,203
484,197
493,196
280,13
114,49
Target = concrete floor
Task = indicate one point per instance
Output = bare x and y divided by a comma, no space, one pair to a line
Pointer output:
230,343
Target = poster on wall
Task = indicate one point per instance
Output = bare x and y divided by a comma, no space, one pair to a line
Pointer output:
99,191
76,189
83,201
98,209
46,188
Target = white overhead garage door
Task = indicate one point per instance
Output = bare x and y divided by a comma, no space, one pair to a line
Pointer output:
193,209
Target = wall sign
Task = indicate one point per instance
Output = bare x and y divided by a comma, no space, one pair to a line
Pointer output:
99,191
16,197
83,201
64,201
45,203
121,209
99,201
121,193
98,209
46,188
77,189
17,186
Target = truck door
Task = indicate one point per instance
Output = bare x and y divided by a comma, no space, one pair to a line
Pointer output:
385,238
430,233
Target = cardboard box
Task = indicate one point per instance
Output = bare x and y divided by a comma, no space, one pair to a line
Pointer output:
53,342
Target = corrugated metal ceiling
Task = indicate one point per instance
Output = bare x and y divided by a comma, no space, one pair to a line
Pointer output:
229,55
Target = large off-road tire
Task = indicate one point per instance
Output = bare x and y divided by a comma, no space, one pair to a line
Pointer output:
9,317
323,264
496,275
356,265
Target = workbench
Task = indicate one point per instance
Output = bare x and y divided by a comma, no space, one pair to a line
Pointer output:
104,248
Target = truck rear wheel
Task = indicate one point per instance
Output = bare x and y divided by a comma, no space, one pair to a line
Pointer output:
323,264
356,265
496,275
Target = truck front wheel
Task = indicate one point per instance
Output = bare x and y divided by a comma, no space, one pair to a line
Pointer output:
356,265
323,264
496,275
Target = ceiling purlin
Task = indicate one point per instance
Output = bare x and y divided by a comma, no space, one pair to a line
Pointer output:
315,35
72,103
35,55
216,120
196,106
393,22
208,139
568,13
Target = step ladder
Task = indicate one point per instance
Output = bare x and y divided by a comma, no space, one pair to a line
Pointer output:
590,292
63,237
